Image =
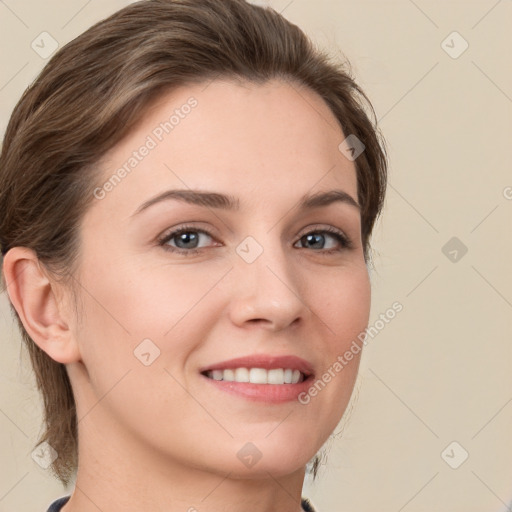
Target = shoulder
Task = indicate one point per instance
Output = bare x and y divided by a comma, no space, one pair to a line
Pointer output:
58,504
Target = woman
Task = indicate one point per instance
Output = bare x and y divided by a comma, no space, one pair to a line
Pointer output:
204,377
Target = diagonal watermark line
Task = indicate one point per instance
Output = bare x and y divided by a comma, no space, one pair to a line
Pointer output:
14,423
508,506
286,6
284,489
424,13
280,423
486,14
294,206
17,483
300,299
500,409
204,88
211,288
404,403
415,209
14,76
13,13
104,395
296,90
422,280
411,89
495,289
100,304
484,218
88,497
216,487
405,504
212,211
76,14
492,81
198,402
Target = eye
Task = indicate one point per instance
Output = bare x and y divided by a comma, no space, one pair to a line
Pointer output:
318,237
187,239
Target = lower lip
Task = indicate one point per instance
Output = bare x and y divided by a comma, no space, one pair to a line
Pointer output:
273,393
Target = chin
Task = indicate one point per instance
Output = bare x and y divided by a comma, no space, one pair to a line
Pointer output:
262,470
278,457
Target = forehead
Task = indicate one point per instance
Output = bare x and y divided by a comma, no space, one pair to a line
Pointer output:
260,142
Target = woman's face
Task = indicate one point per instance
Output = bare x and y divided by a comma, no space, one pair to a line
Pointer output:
240,282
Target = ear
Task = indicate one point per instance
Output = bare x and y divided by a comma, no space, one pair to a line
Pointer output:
36,300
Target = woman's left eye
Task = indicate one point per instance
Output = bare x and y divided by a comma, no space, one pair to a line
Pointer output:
318,236
187,239
182,235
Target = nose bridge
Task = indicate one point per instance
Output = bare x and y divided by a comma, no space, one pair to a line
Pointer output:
267,287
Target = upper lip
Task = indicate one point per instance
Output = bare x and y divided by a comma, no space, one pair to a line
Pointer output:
265,361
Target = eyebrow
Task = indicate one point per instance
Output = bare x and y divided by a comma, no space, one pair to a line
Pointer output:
228,202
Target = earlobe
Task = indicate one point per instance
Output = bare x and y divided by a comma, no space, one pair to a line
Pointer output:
34,297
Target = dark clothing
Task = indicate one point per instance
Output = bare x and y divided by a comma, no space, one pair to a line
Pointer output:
306,505
58,504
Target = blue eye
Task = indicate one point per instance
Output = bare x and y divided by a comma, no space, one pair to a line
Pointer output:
317,236
188,243
187,239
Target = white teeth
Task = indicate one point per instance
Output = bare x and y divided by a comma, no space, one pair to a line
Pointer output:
242,375
257,375
276,376
228,375
217,374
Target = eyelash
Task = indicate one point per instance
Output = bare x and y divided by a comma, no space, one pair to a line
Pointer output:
343,240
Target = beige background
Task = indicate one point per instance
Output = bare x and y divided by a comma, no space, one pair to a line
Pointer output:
440,371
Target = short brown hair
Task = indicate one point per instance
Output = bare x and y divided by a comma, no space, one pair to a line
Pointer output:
94,90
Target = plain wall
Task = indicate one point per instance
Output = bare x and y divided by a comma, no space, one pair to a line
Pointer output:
439,372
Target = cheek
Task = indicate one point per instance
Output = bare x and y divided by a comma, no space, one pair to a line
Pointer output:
131,310
140,300
344,311
133,366
346,306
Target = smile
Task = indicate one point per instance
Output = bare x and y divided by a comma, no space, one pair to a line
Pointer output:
267,378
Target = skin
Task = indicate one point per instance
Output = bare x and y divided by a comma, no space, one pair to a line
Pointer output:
160,437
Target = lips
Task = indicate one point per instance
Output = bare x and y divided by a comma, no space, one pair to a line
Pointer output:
261,377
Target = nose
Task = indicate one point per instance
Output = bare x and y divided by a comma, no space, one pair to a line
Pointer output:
267,291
